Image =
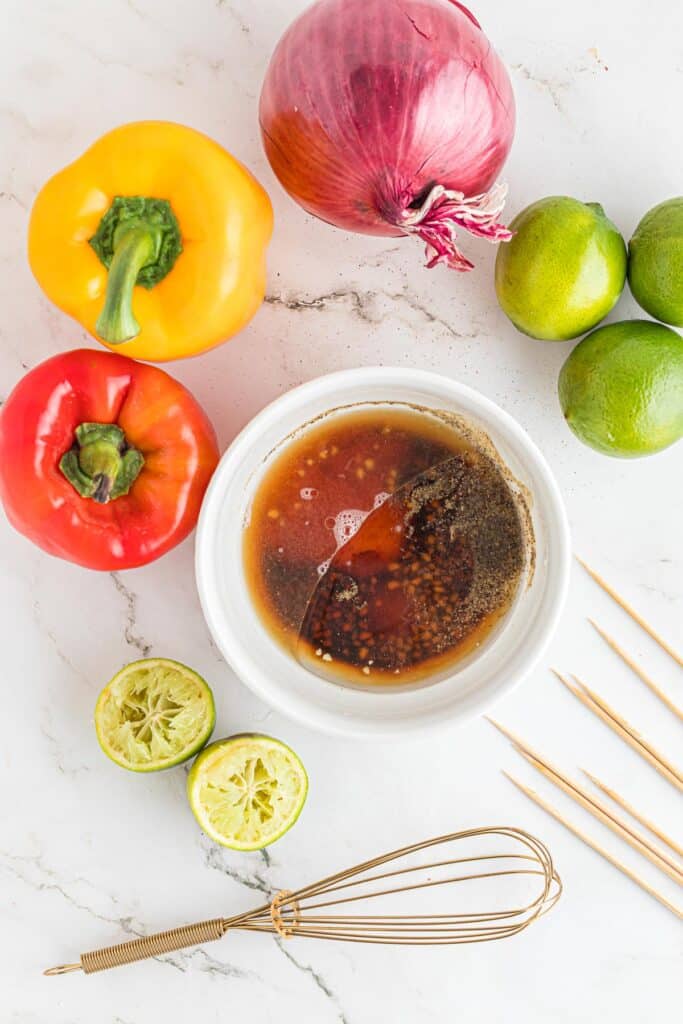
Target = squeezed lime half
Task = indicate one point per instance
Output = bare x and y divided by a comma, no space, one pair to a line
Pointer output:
247,791
154,714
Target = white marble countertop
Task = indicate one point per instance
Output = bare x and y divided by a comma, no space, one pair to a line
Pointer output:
89,853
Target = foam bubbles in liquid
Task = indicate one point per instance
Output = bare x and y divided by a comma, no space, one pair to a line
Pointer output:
346,524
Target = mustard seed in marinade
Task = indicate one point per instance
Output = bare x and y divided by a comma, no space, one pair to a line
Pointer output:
461,559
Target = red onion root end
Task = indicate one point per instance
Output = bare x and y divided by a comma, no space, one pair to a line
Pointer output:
444,210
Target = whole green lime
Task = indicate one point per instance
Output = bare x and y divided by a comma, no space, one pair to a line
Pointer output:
655,262
563,269
621,389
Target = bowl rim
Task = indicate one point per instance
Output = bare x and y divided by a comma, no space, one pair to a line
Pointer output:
242,663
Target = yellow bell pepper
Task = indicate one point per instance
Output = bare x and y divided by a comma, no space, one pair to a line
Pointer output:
154,240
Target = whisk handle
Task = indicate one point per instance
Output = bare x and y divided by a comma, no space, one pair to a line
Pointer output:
146,947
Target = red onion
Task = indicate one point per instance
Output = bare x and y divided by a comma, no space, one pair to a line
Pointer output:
391,117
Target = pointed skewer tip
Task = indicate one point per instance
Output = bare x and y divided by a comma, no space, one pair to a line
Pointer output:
495,724
520,785
503,729
563,680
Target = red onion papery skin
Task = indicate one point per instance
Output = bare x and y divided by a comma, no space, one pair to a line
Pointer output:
391,117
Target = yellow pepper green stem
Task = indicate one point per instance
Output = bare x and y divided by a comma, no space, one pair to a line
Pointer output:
116,322
138,240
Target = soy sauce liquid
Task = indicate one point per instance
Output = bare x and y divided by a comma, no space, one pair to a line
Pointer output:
383,545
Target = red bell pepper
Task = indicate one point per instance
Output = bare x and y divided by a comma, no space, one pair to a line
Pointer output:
103,461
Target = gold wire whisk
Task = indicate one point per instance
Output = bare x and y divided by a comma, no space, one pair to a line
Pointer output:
322,910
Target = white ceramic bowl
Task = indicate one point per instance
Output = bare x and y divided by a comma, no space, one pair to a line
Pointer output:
509,654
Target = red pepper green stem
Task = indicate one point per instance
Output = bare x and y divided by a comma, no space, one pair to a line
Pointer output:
101,465
138,241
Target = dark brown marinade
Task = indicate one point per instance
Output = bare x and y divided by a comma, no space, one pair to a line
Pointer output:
426,575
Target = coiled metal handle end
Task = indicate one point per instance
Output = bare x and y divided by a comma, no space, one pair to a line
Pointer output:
146,947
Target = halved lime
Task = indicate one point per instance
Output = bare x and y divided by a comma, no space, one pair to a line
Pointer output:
153,714
247,791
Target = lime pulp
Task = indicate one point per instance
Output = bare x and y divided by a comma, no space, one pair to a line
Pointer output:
154,714
247,791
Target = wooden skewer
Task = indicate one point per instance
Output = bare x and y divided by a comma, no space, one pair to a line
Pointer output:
635,667
613,795
532,795
633,733
632,612
637,840
596,807
626,736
